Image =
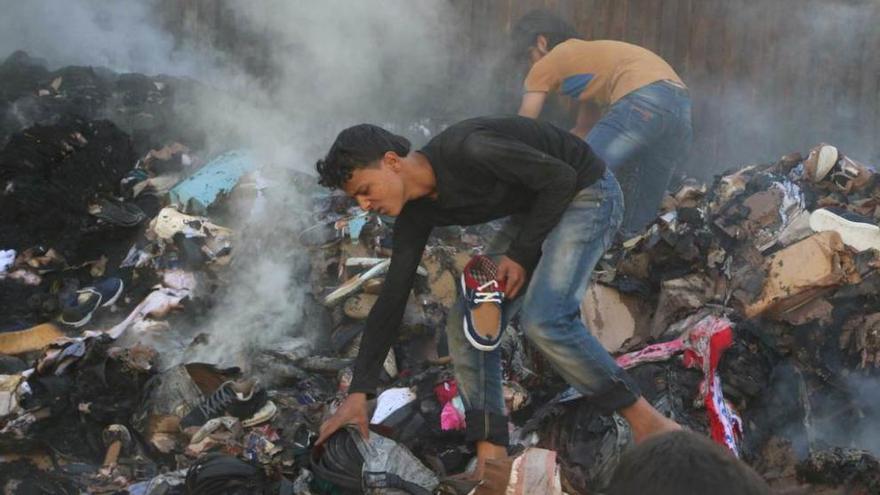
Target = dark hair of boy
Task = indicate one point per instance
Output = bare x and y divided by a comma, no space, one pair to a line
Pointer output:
357,147
541,22
683,463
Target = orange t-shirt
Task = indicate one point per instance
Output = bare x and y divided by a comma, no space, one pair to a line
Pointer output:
602,71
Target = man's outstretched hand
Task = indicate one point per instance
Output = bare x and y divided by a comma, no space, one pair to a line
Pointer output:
352,411
512,274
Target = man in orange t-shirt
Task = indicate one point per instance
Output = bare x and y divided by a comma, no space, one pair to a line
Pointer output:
633,109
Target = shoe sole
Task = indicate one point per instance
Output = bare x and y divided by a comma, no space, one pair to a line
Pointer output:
77,324
266,413
825,162
355,283
464,327
115,296
858,235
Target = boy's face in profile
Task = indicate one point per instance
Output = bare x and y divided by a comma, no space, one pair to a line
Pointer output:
378,187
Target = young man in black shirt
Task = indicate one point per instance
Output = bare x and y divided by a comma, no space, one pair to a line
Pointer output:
565,208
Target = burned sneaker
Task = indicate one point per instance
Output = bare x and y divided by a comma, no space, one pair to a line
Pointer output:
117,212
820,161
265,413
848,175
484,299
856,231
242,399
110,289
78,310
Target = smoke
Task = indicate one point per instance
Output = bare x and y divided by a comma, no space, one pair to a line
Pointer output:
852,420
323,67
121,36
278,78
780,87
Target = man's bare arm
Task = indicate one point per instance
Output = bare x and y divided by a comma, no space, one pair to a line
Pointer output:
532,103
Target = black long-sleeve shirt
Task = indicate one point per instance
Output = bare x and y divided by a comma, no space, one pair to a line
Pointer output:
486,168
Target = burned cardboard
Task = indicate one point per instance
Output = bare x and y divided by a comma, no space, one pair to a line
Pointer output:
614,317
679,298
803,271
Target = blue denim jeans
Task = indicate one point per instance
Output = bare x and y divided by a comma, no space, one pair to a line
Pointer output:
642,138
550,316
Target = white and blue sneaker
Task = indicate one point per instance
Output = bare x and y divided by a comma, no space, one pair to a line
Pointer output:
484,301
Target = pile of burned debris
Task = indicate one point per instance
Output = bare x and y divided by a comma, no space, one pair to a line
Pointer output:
747,311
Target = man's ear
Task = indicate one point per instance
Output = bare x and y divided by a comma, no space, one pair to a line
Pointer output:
392,159
541,43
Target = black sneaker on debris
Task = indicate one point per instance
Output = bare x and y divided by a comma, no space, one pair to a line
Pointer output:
110,289
242,399
78,310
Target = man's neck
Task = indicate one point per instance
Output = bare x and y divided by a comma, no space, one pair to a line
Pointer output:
421,180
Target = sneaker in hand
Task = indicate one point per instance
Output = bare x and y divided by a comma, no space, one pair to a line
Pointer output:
484,300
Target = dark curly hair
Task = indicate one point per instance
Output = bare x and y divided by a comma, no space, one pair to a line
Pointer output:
540,21
357,147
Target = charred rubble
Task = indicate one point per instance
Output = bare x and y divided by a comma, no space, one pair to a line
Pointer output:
741,312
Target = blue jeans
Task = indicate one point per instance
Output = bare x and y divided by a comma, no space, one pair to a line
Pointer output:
642,137
550,316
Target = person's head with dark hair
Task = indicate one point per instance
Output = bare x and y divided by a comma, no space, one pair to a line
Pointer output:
682,463
538,32
372,166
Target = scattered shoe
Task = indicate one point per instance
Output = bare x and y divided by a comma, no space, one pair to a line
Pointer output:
856,231
849,175
484,300
266,413
825,163
110,289
118,212
820,161
79,309
355,283
242,399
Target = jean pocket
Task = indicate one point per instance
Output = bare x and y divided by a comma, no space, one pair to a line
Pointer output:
643,118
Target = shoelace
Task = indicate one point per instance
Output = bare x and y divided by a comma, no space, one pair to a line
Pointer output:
218,401
484,296
90,291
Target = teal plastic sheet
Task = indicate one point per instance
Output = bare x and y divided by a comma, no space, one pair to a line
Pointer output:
198,192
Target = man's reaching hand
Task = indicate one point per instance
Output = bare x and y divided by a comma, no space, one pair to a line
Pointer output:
352,411
512,274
